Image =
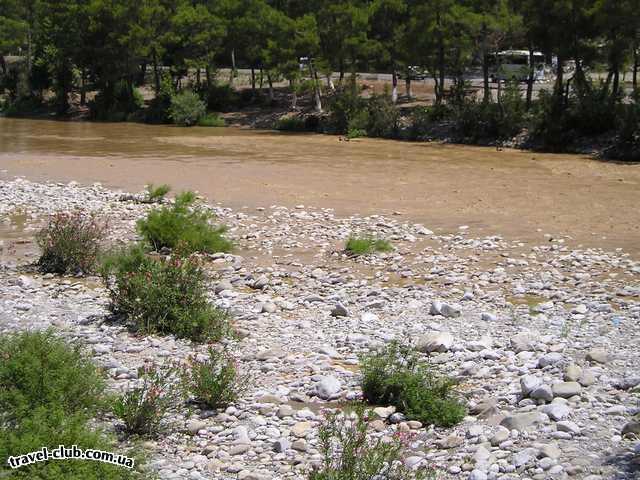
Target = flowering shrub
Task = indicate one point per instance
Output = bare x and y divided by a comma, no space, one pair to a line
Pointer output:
142,408
349,452
213,382
70,243
165,296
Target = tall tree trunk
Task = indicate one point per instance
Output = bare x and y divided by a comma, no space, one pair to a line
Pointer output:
156,73
441,68
233,67
531,78
261,78
294,100
486,97
636,62
207,76
198,77
270,82
394,83
330,84
616,81
316,87
559,86
253,81
83,86
407,87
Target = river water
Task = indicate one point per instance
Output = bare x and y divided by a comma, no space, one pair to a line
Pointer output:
517,194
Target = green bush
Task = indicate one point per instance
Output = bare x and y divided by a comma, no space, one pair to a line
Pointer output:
221,98
51,426
291,124
184,226
211,120
165,296
39,369
423,119
187,108
143,408
589,111
344,105
395,376
364,246
70,243
116,105
626,146
158,110
213,382
383,117
349,453
157,193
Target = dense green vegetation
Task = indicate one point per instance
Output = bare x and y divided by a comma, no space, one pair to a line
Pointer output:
183,227
163,295
396,376
49,390
65,51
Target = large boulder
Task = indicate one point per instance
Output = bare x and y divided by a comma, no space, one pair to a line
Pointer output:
434,342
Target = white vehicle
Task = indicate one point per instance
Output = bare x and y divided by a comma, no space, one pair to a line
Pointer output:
514,65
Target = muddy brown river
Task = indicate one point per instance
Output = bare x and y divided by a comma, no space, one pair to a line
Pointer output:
517,194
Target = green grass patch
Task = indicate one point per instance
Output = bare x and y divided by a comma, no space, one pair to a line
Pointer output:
156,193
364,246
211,120
396,376
185,227
162,295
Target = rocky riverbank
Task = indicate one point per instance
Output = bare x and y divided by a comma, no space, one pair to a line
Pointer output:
543,338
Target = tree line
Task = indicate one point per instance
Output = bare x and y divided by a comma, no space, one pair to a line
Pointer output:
112,44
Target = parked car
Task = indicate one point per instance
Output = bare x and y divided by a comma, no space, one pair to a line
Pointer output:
413,73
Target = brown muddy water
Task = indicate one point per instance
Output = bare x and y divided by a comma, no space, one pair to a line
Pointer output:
517,194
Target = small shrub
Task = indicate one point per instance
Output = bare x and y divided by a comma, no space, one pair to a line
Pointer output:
143,408
291,124
211,120
165,296
395,376
344,105
383,117
41,370
187,108
70,243
158,110
364,246
349,453
51,426
184,226
213,382
157,193
116,105
221,98
626,146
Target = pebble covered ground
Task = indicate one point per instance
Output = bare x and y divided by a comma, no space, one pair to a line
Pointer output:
543,338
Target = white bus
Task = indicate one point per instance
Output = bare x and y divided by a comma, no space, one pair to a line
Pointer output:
514,65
